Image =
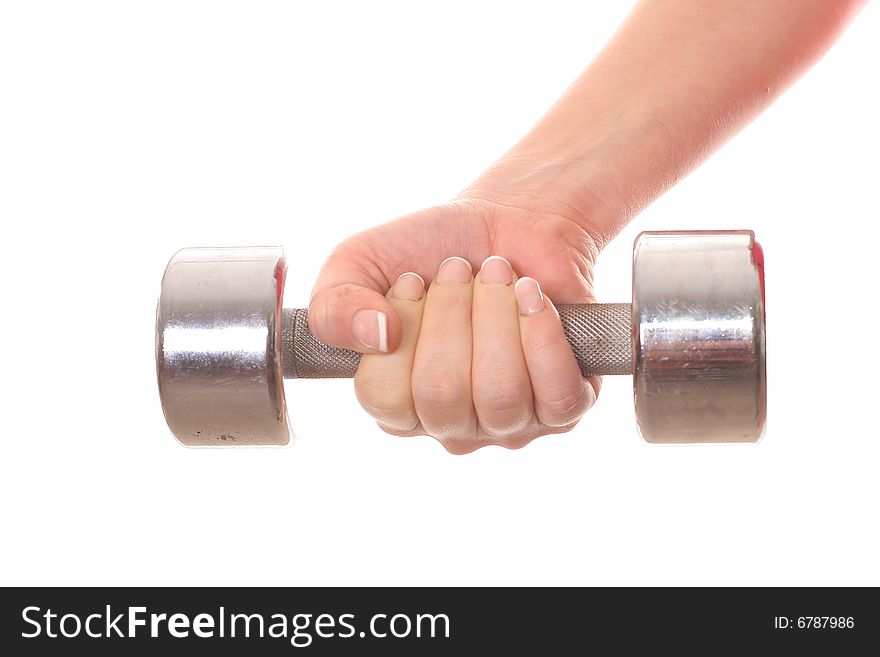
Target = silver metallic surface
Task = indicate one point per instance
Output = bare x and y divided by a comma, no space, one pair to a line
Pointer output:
305,357
600,335
699,343
218,344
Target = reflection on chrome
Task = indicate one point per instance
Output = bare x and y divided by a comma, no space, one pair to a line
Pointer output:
715,325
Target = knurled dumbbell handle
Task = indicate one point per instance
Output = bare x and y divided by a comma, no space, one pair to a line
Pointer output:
600,335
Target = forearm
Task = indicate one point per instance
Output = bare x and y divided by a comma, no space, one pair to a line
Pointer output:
677,80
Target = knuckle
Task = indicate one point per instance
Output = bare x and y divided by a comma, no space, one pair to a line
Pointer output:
515,442
458,447
443,403
340,304
441,390
565,428
564,409
505,426
503,395
505,431
504,406
405,431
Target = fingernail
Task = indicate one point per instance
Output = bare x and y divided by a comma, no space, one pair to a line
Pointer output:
496,270
455,270
409,287
529,297
370,328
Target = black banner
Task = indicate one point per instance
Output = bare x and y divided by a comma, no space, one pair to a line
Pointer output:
407,621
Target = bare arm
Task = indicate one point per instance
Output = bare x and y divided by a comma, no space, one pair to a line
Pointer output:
677,80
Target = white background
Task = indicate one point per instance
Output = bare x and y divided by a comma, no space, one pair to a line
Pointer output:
128,130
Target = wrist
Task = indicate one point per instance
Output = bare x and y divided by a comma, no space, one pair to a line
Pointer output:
570,184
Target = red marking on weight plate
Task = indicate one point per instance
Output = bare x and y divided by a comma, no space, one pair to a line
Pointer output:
758,258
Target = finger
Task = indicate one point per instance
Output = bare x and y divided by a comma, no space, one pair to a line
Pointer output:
561,394
409,433
441,378
501,387
382,381
348,307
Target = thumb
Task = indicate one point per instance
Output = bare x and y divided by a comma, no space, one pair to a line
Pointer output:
348,307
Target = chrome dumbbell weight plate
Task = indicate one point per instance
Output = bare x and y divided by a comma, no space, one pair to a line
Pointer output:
698,337
218,346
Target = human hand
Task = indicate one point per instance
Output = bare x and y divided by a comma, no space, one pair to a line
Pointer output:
476,360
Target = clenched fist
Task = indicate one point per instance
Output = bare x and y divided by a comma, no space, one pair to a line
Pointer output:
478,356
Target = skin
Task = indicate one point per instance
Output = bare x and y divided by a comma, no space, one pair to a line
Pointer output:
475,363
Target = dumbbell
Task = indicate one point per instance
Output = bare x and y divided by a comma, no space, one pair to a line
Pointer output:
693,339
